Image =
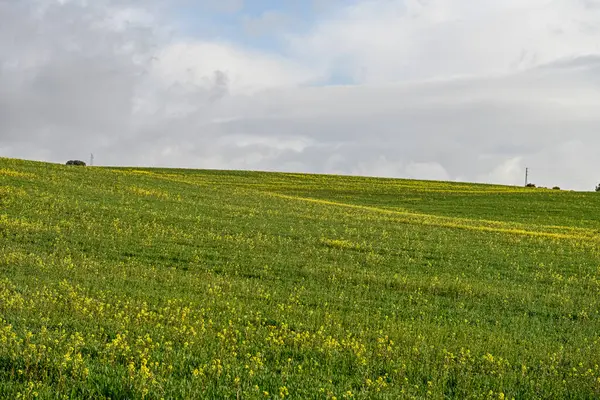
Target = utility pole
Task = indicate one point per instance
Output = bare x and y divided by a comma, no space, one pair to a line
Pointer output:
526,176
91,159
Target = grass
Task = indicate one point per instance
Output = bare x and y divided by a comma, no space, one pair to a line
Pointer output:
162,283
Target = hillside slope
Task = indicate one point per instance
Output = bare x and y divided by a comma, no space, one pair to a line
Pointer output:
163,283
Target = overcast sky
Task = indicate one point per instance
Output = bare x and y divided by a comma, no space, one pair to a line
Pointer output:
433,89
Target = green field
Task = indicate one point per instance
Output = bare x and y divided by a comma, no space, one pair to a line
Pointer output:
127,283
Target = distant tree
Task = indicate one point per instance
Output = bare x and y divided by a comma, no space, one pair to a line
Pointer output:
76,162
598,188
556,188
530,185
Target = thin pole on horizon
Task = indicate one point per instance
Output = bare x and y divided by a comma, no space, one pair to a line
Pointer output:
526,176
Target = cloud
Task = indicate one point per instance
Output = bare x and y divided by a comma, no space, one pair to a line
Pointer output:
267,22
442,90
191,62
223,6
391,168
381,40
508,172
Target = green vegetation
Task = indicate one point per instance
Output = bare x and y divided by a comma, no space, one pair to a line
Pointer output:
154,283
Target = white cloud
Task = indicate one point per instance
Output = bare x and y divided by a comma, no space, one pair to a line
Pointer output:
508,172
384,167
386,40
428,170
195,62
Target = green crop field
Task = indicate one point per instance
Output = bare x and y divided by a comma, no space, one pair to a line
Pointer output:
128,283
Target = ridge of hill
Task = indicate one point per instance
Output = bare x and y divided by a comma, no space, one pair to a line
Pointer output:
172,283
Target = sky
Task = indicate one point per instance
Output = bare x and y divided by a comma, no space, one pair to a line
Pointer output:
457,90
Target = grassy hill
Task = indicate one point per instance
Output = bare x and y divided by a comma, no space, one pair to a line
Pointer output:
162,283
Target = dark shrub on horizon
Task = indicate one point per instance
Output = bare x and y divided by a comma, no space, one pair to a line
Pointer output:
76,162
